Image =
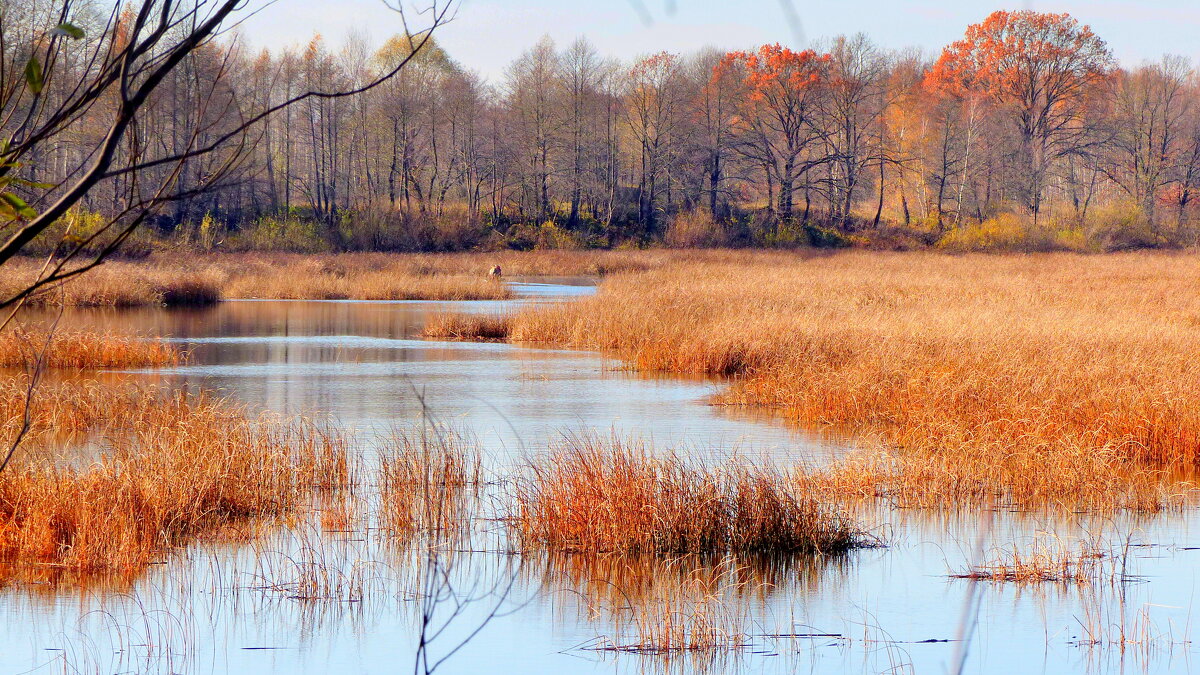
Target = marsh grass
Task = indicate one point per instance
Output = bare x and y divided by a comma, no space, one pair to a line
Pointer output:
181,467
1055,378
474,327
430,480
74,408
21,348
176,278
1046,561
119,284
598,496
1060,476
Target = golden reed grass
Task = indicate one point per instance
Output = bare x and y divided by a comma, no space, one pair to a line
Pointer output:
429,476
599,495
168,278
1045,561
77,406
76,349
183,466
1023,378
118,284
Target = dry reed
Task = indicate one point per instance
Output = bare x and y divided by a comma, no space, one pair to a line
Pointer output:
20,348
1011,374
608,496
429,477
186,466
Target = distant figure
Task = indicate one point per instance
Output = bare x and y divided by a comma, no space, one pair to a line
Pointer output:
495,272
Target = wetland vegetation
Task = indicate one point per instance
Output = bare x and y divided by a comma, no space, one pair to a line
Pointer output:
826,359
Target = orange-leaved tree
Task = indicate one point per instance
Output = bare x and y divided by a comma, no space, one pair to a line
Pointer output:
1043,69
780,114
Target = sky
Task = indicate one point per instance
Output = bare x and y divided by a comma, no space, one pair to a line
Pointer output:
486,35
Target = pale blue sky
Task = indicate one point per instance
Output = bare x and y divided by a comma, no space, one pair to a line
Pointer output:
488,34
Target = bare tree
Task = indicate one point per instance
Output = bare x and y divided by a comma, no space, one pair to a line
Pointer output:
112,68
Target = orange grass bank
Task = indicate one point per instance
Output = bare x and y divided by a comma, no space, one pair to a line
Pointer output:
1007,377
183,467
117,284
193,278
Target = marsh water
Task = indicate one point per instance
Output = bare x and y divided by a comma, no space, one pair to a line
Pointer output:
226,607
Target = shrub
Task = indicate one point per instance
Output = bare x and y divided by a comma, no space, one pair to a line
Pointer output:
695,229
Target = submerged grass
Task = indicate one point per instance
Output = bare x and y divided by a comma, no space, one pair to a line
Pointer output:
608,496
692,609
1060,377
1046,561
428,480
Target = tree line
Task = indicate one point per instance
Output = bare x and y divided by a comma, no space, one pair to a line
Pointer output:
1026,129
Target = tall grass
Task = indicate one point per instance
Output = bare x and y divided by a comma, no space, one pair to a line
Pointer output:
119,284
600,495
188,465
21,348
1012,374
429,477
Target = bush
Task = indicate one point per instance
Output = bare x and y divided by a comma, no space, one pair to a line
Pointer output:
1124,225
1004,232
281,232
548,235
77,226
695,229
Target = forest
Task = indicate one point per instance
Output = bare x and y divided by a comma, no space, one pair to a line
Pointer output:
1026,134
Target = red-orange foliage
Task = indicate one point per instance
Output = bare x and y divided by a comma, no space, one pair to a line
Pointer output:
1026,57
1043,66
781,87
774,73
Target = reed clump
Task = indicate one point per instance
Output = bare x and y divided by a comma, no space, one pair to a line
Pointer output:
119,284
607,496
466,327
1044,562
1010,372
430,478
81,350
189,466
